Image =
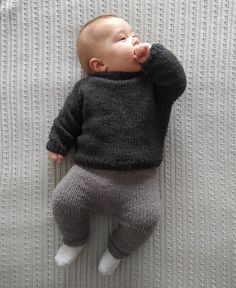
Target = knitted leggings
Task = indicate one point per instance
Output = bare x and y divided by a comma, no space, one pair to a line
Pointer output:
133,196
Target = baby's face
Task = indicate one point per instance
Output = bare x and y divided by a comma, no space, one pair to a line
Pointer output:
115,43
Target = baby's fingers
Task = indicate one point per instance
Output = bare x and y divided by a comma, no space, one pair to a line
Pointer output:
55,157
59,158
139,51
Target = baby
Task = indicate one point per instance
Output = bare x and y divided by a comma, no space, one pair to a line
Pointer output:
118,117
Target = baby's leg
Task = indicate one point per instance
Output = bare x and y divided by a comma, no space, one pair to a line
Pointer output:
137,218
129,235
70,209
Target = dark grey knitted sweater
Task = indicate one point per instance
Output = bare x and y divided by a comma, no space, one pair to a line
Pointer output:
119,119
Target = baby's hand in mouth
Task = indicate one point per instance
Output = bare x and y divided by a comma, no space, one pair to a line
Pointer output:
142,52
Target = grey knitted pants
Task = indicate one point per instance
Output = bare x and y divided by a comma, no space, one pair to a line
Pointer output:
133,196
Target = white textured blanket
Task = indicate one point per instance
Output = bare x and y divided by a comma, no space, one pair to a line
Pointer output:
195,244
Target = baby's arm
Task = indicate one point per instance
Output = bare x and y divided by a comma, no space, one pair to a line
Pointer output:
164,69
66,127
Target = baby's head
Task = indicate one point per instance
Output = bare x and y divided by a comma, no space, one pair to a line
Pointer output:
107,43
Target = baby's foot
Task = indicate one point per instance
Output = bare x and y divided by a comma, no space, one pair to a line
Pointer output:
66,255
108,264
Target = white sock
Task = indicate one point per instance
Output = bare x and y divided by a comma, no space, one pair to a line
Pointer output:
66,255
108,264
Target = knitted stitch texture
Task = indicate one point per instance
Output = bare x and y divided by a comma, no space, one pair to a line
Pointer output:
195,245
119,119
132,196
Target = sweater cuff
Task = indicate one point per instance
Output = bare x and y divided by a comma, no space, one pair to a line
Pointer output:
156,52
56,148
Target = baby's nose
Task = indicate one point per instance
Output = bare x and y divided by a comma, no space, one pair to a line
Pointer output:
135,40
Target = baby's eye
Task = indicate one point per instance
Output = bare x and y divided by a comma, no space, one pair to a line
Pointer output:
122,38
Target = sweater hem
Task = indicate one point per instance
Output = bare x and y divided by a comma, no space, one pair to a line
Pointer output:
112,165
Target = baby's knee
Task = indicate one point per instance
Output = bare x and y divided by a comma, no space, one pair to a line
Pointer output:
144,220
68,204
150,219
60,207
62,203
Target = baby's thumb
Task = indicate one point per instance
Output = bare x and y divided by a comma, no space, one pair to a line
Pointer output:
137,50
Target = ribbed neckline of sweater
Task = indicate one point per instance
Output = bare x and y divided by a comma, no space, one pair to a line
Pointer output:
117,75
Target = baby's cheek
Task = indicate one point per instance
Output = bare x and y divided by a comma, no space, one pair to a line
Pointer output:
130,55
122,56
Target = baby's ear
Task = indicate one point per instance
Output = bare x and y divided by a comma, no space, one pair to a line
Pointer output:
97,65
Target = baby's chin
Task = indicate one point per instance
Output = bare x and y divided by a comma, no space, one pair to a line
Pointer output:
139,68
135,68
125,71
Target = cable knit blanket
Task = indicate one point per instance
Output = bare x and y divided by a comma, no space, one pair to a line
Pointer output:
195,244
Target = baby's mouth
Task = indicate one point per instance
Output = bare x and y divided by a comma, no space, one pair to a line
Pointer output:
135,57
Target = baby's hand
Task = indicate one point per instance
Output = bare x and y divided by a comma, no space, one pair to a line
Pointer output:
55,157
142,52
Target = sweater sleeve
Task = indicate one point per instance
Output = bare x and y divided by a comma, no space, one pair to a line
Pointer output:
67,126
166,73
